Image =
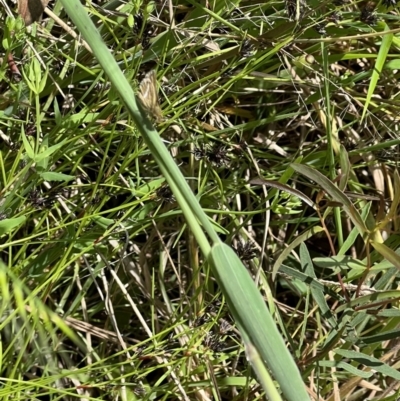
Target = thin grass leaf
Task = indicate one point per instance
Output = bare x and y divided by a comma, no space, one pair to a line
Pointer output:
370,361
318,295
387,253
28,148
392,213
384,336
285,188
49,151
347,367
389,295
379,65
345,168
286,252
339,262
351,238
311,282
261,371
337,195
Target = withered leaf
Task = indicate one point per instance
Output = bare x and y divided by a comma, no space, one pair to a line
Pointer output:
31,10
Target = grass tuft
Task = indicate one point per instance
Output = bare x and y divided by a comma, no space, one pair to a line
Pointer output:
282,119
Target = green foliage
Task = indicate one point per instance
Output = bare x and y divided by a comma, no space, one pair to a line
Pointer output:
278,140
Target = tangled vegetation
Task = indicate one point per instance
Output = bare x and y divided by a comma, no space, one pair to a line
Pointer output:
283,118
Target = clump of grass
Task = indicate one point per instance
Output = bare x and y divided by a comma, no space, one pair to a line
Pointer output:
105,292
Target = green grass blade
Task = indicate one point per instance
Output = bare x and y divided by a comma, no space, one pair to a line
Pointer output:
317,294
261,371
337,195
368,360
387,253
253,317
286,252
380,62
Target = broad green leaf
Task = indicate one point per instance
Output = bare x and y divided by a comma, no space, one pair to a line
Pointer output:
253,317
8,225
103,222
51,176
49,151
393,64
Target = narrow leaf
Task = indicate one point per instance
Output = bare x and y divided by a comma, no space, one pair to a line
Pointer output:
286,252
49,151
371,362
337,195
379,64
318,295
387,253
27,145
285,188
